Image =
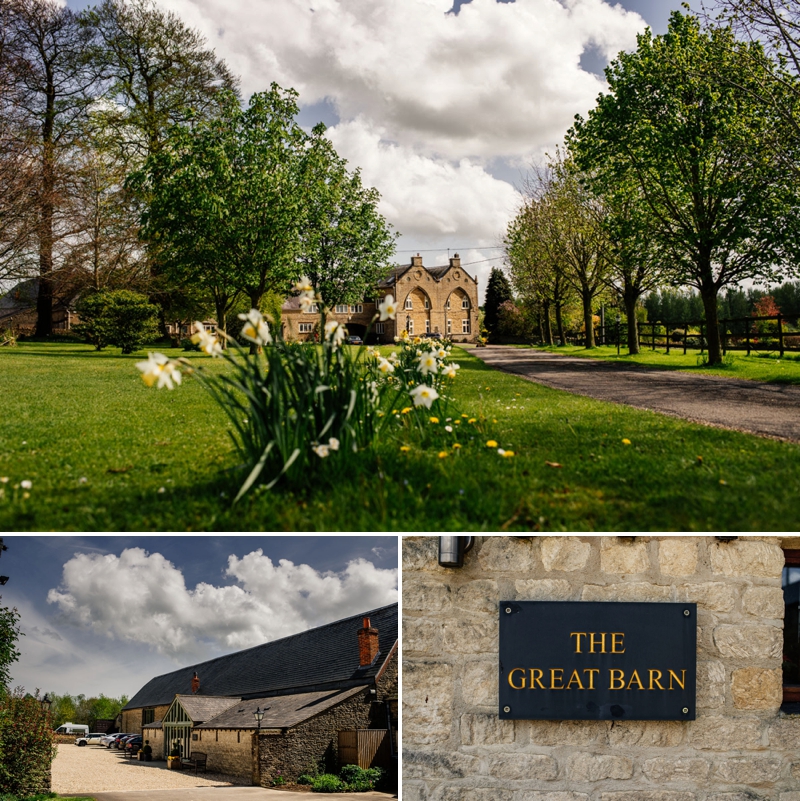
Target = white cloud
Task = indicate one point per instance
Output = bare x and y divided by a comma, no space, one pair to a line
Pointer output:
142,598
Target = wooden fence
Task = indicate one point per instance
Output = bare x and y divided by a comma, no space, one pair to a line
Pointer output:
367,748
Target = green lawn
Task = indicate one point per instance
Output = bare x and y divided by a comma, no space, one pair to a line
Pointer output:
769,367
104,452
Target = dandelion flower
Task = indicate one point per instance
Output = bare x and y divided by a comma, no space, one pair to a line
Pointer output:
207,341
162,490
491,444
321,450
626,441
456,446
505,454
26,484
405,410
472,420
405,448
434,419
388,308
3,479
159,370
424,395
443,454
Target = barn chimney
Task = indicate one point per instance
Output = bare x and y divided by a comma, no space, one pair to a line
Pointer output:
416,261
367,644
195,683
455,260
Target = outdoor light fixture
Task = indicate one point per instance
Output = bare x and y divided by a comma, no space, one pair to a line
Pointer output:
3,580
452,550
259,715
45,702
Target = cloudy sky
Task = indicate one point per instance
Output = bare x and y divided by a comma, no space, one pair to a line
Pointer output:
104,614
443,104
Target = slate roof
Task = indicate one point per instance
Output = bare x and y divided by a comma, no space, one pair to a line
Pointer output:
281,712
204,707
318,659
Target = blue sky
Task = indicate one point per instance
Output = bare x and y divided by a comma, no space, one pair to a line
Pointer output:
103,614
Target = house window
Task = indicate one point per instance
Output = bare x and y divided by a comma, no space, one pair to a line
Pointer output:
449,326
312,309
447,305
148,716
357,309
427,326
341,308
465,303
306,328
409,304
465,326
410,328
380,328
427,303
791,632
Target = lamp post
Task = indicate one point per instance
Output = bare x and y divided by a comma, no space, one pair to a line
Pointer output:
259,716
45,702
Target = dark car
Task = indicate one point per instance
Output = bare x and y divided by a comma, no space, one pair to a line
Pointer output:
119,743
434,335
132,745
354,339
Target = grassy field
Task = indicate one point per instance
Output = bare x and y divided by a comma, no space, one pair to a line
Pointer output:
768,367
104,452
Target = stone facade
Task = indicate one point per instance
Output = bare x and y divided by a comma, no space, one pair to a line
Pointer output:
229,750
440,300
741,747
132,719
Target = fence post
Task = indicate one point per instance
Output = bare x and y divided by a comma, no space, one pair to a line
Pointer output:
780,335
618,337
747,335
702,338
685,337
668,336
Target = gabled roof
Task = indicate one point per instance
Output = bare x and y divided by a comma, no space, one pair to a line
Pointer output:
281,712
204,707
318,659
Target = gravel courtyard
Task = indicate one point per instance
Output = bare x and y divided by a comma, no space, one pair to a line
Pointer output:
95,769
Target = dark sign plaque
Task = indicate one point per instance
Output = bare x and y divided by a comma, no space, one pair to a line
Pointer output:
597,661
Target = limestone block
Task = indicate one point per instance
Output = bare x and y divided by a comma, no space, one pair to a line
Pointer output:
414,791
478,596
565,732
438,764
711,684
422,634
427,703
725,734
749,642
794,795
620,557
543,590
666,769
564,553
784,731
677,556
594,768
478,683
516,767
795,770
424,594
420,553
645,733
748,770
746,558
507,554
471,636
756,688
740,796
535,795
648,795
764,602
635,591
475,794
714,596
486,730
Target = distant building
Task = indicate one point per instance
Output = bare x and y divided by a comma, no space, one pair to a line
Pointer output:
311,687
441,300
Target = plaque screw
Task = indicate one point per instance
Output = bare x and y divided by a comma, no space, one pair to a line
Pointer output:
686,613
685,710
508,610
508,709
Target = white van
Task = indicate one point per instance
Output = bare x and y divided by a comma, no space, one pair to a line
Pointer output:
72,728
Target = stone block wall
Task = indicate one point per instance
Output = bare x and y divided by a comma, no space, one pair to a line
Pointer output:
132,718
229,750
740,747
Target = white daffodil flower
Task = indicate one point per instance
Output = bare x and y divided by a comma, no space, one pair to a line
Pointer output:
208,342
255,328
306,302
385,366
333,444
335,332
388,308
428,363
441,353
159,370
323,451
303,287
423,395
451,369
393,357
26,484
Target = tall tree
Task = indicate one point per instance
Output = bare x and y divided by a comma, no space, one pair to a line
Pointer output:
9,634
345,243
498,291
697,148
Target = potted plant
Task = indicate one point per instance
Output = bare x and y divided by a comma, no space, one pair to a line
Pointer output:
140,755
174,758
148,751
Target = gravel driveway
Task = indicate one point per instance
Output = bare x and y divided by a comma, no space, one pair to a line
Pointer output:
93,769
771,410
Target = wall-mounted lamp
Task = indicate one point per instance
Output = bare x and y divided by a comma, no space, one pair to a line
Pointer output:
452,550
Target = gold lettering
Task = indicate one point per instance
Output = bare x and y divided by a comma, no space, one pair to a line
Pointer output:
553,672
577,679
536,678
591,672
635,677
577,635
615,643
615,676
511,683
655,675
679,681
593,642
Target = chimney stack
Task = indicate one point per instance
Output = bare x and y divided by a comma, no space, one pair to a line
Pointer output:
455,261
367,644
416,261
195,683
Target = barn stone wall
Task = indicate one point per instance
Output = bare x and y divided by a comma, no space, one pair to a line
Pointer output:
741,747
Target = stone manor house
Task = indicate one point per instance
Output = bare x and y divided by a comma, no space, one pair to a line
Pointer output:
321,691
441,300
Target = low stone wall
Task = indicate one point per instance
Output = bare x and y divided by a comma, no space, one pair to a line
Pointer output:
455,748
229,750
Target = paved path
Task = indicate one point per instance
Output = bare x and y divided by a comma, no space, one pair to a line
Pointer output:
232,794
771,410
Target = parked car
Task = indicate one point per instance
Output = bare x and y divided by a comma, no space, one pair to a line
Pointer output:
132,745
108,739
432,335
93,737
119,743
354,339
73,728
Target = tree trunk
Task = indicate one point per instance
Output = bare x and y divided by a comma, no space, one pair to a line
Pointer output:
548,328
221,305
44,300
560,326
709,295
630,297
588,322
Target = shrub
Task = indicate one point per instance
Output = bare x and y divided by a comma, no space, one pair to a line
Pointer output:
328,783
360,780
303,778
120,317
26,745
